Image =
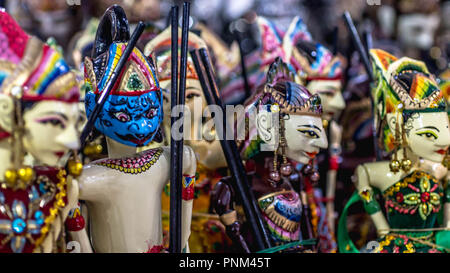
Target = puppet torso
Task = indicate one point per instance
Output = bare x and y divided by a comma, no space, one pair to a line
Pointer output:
124,201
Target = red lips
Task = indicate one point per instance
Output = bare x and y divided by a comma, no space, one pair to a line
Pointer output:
59,154
140,142
312,155
441,151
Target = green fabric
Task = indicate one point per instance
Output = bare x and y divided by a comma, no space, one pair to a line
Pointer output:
345,244
288,245
443,238
415,220
447,193
372,206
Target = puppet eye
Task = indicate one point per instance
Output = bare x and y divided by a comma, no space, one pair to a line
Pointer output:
122,116
428,134
309,133
152,112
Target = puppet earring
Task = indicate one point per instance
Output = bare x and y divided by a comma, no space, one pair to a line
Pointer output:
286,168
74,165
406,162
19,176
309,171
275,174
394,165
446,161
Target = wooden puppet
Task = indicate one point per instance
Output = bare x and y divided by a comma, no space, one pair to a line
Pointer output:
123,191
412,124
277,186
39,115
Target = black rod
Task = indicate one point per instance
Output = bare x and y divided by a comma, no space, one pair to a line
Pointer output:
240,166
368,43
175,220
358,44
181,99
243,66
240,182
110,84
335,40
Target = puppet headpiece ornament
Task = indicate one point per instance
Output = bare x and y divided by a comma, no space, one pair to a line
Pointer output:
30,72
403,86
312,58
160,49
297,48
36,67
137,78
137,81
291,98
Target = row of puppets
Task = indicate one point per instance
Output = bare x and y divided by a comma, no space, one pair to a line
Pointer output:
360,144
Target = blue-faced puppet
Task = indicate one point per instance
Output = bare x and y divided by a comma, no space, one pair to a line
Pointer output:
133,112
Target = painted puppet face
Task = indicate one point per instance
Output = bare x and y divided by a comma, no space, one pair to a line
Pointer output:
417,30
322,70
133,112
202,140
330,94
428,135
130,120
305,136
51,130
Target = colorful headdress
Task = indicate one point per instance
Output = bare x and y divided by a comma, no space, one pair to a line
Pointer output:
160,48
312,58
297,48
291,98
402,85
444,85
137,78
37,67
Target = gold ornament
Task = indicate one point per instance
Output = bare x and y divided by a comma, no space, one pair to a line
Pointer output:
11,177
25,174
325,123
406,164
98,149
75,168
446,161
394,165
74,165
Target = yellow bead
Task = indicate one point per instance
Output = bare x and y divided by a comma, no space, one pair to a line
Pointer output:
61,203
11,176
25,174
394,165
406,165
98,149
75,168
88,150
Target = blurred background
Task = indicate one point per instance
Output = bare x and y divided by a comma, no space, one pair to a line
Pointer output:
417,28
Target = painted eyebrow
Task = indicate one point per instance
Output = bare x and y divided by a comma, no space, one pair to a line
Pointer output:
311,126
57,114
121,102
428,127
193,88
